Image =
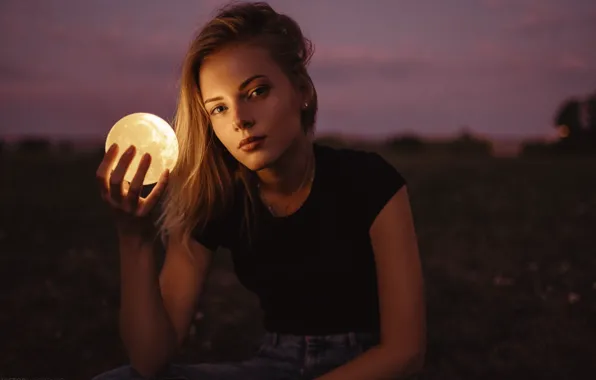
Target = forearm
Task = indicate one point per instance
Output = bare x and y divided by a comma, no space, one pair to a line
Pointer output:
378,363
145,328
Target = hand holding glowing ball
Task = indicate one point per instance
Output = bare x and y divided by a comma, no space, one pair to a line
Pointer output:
149,134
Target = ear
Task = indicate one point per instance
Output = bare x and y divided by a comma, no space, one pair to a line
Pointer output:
304,90
307,92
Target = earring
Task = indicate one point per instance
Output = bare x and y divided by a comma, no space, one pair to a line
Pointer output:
305,105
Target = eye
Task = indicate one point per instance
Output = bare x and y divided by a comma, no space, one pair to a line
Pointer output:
217,110
261,90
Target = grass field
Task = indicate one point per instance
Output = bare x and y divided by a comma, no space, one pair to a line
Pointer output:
508,247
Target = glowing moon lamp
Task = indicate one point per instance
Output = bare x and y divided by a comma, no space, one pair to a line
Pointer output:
149,134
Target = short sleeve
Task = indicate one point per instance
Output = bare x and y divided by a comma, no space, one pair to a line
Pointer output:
216,232
210,235
379,181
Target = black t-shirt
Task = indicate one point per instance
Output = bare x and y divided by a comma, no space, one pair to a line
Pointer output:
314,270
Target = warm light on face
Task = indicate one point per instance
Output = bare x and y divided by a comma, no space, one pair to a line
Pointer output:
149,134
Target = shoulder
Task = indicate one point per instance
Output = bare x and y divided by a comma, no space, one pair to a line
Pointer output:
358,164
367,177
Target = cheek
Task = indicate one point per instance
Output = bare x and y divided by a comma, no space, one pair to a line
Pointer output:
224,135
286,117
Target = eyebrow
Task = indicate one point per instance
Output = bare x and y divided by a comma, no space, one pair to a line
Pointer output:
240,88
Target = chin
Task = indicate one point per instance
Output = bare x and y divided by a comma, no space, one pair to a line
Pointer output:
256,161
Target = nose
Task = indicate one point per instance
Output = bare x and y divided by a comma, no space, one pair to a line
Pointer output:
242,118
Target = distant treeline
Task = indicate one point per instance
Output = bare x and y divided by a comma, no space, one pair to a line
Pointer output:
464,144
37,145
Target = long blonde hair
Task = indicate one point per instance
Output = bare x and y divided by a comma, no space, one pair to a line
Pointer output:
204,182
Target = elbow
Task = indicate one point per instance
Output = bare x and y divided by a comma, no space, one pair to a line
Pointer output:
143,370
146,367
416,362
407,362
150,354
148,362
142,366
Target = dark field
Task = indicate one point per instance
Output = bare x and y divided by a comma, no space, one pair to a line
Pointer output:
508,250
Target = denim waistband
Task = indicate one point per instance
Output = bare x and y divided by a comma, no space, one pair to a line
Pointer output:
349,339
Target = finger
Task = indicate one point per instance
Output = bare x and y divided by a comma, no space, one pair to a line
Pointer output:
103,171
148,203
136,186
117,176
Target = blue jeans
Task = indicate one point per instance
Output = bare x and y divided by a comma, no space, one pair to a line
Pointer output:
279,357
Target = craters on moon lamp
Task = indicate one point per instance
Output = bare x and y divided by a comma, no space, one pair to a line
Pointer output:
149,134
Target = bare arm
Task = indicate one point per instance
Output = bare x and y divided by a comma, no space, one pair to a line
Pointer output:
402,349
157,310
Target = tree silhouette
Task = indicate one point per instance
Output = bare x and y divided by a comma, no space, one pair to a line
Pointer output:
577,134
568,116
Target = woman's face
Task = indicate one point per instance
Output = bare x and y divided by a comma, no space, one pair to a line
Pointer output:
249,98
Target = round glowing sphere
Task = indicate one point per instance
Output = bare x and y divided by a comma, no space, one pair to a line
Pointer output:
149,134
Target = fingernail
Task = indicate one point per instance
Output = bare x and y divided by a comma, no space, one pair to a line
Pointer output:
130,149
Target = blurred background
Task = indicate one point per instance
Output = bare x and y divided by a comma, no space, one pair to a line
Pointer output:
487,107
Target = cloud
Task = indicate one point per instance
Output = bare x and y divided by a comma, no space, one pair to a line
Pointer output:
344,64
572,62
551,19
340,72
78,42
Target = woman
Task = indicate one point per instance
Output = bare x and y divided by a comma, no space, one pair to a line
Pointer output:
323,236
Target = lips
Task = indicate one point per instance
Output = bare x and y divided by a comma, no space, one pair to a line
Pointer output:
249,140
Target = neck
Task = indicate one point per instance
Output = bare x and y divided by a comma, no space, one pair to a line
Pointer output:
290,171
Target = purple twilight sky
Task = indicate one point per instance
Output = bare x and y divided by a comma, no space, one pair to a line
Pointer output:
501,67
